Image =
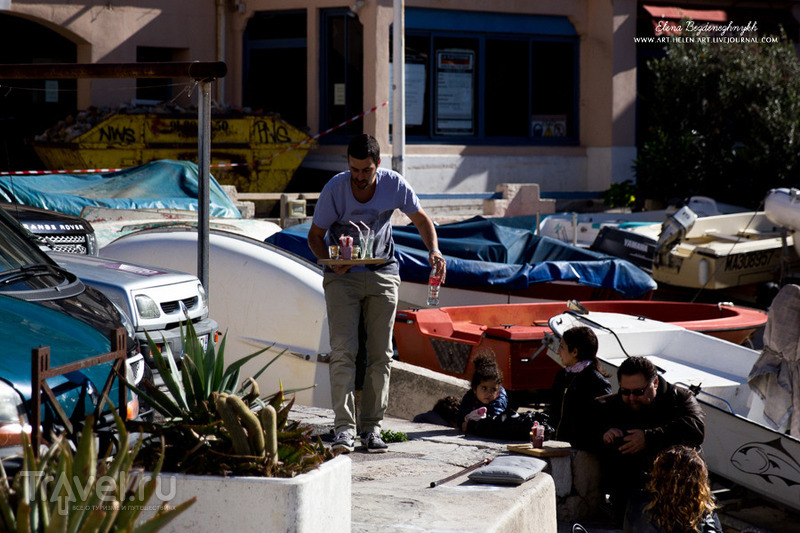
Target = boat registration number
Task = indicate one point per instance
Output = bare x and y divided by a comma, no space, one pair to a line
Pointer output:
749,260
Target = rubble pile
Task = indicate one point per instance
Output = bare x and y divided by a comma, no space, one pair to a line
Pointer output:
74,126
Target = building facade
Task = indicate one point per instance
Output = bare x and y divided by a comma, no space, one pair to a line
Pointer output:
504,91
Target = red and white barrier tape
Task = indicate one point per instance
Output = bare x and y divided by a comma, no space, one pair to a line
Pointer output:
219,165
318,135
38,172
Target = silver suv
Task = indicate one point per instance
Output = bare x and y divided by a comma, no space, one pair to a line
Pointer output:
157,300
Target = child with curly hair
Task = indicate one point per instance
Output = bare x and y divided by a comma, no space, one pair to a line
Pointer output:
486,397
677,498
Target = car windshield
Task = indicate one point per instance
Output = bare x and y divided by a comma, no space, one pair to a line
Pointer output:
16,250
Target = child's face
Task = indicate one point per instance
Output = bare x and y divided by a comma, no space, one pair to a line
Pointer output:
487,391
568,357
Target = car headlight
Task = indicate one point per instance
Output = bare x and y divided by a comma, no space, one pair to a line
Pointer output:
13,419
126,322
147,307
203,297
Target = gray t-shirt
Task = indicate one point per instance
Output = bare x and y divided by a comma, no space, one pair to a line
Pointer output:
337,207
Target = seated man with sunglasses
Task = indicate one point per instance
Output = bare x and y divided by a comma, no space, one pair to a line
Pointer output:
646,416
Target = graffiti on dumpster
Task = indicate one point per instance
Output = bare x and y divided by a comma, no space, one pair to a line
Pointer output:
269,132
116,134
188,128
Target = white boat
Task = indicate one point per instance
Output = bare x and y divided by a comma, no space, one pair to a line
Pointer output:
721,252
581,229
740,443
111,223
259,295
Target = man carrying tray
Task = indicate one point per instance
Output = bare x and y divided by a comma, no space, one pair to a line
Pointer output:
364,197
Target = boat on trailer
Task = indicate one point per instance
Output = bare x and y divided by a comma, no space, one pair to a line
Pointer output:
741,444
447,339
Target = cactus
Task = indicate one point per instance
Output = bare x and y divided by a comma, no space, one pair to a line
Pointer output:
210,425
254,392
255,435
269,420
232,424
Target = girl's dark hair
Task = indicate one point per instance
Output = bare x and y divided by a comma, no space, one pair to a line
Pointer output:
584,340
486,369
447,408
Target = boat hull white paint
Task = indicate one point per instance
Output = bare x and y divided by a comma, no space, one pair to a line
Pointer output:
724,252
259,295
739,445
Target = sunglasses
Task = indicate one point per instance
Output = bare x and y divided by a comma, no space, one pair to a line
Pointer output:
635,392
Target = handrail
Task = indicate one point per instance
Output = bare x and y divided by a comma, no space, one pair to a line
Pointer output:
41,372
697,390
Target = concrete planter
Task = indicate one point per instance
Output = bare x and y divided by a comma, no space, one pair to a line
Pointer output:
316,501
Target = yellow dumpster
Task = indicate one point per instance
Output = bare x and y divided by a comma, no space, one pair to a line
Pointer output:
254,153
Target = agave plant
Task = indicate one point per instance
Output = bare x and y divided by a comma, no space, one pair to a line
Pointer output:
212,424
74,491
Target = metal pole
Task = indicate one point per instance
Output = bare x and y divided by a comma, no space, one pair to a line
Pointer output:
203,180
398,89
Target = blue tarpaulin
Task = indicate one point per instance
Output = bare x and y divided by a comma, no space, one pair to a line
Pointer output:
164,184
482,252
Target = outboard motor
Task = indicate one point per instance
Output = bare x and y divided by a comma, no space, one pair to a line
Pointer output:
674,229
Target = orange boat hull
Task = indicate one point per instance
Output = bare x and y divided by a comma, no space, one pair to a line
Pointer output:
447,339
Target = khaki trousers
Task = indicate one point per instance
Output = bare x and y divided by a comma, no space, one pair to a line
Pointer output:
346,296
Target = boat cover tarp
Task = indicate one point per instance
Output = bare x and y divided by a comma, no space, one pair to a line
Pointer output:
163,184
482,252
775,376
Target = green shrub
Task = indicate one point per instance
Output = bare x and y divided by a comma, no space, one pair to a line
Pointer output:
66,490
725,122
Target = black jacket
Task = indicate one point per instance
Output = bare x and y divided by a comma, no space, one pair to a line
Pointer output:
573,407
673,418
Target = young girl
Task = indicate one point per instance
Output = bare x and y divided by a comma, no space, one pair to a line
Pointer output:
487,397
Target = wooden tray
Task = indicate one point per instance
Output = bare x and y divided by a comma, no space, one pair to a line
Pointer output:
547,451
350,262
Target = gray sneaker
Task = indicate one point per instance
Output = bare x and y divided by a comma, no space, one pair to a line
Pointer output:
344,443
374,443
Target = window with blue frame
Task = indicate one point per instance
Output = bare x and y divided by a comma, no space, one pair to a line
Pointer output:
490,78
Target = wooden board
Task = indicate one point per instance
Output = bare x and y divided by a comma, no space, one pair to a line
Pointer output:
351,262
547,451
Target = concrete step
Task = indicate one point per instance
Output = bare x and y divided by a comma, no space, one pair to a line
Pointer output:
391,491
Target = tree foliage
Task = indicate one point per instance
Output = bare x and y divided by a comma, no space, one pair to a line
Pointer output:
726,121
